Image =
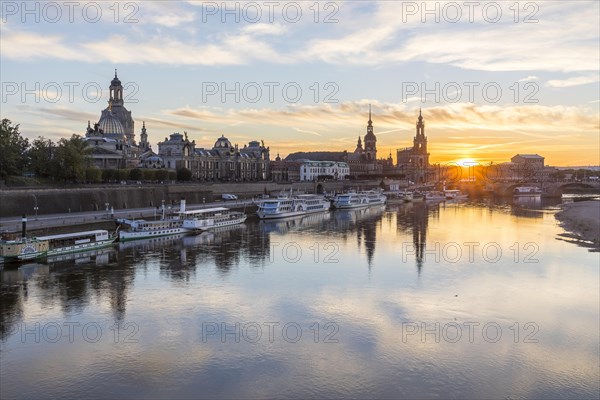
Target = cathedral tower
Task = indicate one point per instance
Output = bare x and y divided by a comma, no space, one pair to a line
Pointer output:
370,141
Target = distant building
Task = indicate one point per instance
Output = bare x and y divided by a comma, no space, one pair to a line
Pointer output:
414,161
223,162
361,163
112,138
533,161
314,170
525,167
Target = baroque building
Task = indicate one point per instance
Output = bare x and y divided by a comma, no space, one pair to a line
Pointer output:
223,162
112,138
362,162
414,161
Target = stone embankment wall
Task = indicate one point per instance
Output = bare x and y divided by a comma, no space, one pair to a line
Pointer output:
15,202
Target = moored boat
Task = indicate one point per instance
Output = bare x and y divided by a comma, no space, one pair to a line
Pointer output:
211,218
522,191
350,200
291,206
435,196
453,194
374,197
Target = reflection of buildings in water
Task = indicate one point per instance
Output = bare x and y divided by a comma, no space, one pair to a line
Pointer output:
529,207
413,218
364,222
14,285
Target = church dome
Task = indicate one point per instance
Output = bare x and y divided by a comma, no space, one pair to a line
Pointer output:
110,125
222,143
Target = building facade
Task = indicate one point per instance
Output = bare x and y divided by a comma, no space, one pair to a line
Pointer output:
414,161
222,162
314,170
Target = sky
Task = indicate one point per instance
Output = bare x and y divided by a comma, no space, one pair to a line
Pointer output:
493,79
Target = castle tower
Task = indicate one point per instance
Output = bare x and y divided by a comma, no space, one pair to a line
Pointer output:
370,141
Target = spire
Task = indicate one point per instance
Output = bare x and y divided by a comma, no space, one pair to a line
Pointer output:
420,116
370,122
143,124
115,72
89,126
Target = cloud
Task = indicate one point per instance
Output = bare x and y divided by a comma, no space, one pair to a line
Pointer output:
573,81
529,78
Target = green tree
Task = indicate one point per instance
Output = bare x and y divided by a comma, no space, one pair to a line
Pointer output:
123,174
41,157
135,174
172,175
93,175
109,175
184,174
161,175
72,158
13,148
149,174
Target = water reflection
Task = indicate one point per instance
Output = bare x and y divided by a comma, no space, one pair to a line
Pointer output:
170,288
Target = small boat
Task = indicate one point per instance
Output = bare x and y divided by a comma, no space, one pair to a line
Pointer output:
435,196
453,194
290,206
523,191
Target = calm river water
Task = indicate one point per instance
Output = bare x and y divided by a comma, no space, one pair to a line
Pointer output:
421,301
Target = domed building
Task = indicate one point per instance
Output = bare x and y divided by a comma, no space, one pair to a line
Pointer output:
112,138
224,162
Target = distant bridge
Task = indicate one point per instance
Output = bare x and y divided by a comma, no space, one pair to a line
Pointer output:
549,189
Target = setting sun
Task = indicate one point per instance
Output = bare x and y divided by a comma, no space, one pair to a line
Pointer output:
466,162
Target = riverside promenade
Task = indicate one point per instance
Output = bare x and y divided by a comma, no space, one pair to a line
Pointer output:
48,221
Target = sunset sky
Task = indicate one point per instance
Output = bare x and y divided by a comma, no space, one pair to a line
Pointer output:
174,59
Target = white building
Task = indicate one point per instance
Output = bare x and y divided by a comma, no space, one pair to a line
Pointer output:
313,170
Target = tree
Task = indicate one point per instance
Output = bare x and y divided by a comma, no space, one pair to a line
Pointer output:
72,158
161,175
149,174
184,174
13,148
135,174
109,175
41,157
93,175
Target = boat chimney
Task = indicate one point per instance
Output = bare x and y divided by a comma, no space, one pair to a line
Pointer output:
24,226
182,205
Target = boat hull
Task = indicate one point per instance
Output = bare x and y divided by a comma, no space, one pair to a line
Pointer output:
125,236
288,214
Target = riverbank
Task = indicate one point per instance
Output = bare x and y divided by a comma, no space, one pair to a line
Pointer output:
582,219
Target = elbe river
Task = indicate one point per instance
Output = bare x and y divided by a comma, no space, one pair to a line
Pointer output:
453,300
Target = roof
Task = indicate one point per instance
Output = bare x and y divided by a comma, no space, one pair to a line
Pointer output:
71,235
317,156
529,156
205,210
